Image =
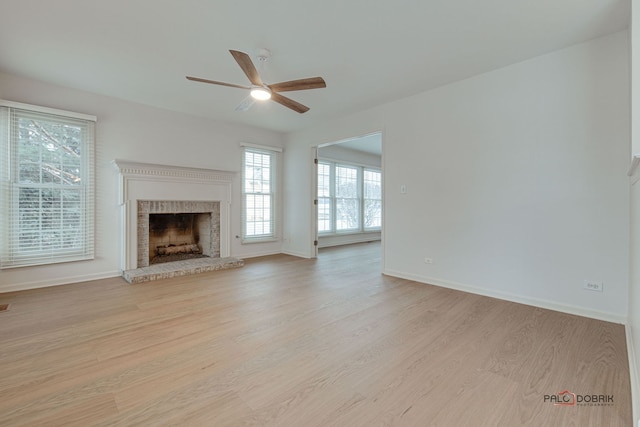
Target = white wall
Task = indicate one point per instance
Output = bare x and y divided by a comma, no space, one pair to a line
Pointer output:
336,152
134,132
633,325
516,182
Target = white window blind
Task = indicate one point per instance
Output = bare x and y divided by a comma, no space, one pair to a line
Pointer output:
46,193
258,189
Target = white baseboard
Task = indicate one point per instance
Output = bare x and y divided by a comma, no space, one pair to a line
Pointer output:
634,375
348,239
257,254
297,254
58,281
535,302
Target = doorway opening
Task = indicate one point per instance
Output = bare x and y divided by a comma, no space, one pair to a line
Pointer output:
348,202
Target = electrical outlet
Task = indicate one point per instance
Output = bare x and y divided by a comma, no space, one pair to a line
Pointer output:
428,261
591,285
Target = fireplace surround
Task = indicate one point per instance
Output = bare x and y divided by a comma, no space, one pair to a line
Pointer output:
150,188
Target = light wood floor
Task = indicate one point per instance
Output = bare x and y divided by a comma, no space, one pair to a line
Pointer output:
293,342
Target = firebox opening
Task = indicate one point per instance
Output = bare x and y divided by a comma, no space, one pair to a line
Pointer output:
178,236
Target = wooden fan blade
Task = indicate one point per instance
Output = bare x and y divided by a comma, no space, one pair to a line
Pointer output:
302,84
244,61
289,103
197,79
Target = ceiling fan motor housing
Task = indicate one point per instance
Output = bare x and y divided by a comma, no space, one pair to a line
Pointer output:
263,55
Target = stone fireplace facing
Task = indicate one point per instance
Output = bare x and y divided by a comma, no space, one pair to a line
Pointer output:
173,213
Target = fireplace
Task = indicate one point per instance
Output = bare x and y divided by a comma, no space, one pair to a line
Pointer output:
175,230
146,190
176,237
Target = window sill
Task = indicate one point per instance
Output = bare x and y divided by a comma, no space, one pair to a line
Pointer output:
348,233
259,240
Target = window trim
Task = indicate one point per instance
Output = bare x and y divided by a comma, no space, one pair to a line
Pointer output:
361,200
332,210
47,110
366,229
10,187
358,198
273,186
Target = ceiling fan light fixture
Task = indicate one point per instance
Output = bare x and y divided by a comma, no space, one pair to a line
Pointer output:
260,93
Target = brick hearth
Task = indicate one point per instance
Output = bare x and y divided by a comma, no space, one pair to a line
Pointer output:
180,268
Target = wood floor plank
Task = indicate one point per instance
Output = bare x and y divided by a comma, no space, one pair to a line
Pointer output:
287,341
81,414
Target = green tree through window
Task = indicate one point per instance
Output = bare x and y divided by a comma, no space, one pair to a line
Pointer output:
47,201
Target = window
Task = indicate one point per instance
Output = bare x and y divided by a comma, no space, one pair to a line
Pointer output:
46,192
325,224
349,198
258,190
372,199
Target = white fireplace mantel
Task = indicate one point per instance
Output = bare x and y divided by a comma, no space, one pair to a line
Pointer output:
146,181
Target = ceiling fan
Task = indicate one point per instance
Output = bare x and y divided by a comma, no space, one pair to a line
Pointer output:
261,91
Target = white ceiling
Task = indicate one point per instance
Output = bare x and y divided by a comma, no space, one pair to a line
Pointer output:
369,51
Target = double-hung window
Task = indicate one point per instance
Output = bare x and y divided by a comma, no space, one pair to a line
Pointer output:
349,198
347,190
258,193
372,199
325,202
46,188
